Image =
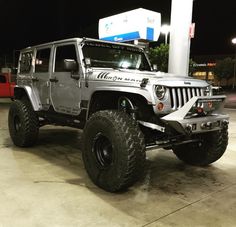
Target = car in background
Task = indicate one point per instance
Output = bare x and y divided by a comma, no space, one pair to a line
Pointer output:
218,90
7,84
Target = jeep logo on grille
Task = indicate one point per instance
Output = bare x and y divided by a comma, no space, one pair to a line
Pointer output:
187,82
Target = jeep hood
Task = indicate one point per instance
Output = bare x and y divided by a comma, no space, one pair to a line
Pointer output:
136,77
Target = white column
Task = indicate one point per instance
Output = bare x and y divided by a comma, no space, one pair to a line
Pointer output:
181,20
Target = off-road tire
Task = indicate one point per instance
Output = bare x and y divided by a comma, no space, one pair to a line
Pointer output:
210,148
23,123
119,136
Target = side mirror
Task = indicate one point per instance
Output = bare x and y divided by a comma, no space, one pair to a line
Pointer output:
155,68
70,65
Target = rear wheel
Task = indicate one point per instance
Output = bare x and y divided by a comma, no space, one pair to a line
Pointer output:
210,148
23,123
113,150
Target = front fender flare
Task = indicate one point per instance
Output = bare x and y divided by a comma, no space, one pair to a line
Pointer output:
132,90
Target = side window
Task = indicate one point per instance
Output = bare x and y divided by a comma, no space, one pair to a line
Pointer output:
42,60
2,79
64,52
26,62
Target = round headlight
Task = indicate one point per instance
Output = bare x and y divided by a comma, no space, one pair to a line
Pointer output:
160,91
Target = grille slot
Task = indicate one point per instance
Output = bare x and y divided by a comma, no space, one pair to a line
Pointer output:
179,96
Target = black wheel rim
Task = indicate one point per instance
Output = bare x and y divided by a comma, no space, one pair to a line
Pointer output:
17,123
102,149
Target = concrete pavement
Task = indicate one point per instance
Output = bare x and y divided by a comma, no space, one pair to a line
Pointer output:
47,186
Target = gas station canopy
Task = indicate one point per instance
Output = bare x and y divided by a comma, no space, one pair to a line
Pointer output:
138,24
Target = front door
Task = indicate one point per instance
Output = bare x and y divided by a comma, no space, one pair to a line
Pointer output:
65,90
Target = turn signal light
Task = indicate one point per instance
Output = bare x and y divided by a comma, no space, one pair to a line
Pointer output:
160,106
199,110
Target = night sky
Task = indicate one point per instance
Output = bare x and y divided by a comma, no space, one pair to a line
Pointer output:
27,22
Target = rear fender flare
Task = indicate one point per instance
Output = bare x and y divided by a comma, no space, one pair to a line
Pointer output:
27,91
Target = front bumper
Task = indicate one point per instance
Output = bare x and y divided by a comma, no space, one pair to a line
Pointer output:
199,114
188,120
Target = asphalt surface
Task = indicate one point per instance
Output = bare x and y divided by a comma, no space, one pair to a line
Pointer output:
230,100
47,186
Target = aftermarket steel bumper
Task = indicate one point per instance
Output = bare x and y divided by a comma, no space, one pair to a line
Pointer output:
199,114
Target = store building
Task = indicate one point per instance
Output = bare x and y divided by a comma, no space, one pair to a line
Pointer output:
204,68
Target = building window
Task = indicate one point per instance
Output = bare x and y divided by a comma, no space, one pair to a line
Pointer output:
201,74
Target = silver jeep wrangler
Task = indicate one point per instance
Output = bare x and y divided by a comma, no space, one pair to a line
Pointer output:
123,106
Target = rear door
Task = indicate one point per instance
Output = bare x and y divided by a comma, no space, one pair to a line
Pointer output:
41,74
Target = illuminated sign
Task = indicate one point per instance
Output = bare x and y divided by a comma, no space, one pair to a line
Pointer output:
135,24
210,64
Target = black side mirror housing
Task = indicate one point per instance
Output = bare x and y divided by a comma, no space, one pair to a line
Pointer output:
70,65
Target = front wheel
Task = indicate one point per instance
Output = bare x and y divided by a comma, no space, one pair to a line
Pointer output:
113,150
23,123
210,147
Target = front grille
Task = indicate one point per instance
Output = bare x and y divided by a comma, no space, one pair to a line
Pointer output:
179,96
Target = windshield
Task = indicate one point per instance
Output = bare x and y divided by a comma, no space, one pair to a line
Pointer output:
115,56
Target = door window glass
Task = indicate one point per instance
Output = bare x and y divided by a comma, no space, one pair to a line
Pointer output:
26,62
42,60
64,52
2,79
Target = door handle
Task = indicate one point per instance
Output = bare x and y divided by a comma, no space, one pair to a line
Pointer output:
53,80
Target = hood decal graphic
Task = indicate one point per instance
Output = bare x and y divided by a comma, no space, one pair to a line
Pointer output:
117,77
102,75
